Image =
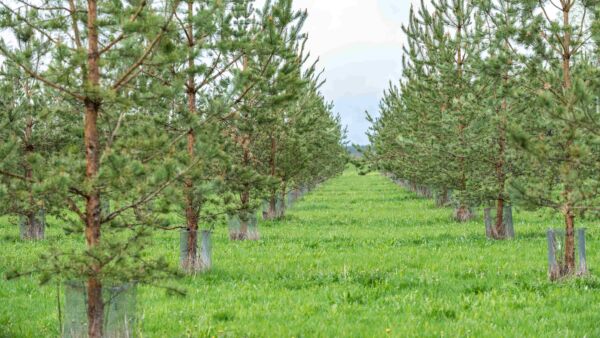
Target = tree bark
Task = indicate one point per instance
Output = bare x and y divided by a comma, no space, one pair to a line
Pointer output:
33,225
191,209
272,214
500,230
463,214
569,242
191,213
245,198
95,305
283,199
567,194
442,198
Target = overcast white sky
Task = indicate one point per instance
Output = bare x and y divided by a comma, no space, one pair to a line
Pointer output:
359,43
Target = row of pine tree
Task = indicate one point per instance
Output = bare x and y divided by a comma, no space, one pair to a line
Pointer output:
498,105
122,118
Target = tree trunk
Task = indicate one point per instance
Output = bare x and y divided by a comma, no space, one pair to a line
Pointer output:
272,214
190,261
191,208
463,214
95,306
500,230
442,199
34,218
245,199
283,198
33,225
487,218
569,242
568,210
243,234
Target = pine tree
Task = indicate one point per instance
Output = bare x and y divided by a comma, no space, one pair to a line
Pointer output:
213,37
94,60
561,149
270,77
27,135
497,87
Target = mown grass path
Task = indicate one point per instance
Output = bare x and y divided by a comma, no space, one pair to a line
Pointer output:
358,257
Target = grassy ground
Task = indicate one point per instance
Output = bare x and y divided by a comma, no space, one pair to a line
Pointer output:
358,257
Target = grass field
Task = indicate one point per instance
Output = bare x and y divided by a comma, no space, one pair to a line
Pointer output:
358,257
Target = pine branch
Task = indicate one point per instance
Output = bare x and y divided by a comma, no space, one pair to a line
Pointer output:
149,196
20,177
74,27
39,8
122,35
37,76
74,208
29,24
126,77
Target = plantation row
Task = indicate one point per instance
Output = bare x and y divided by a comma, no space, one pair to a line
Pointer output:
498,106
122,118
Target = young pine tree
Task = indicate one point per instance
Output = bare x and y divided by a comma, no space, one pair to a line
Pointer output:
94,60
560,147
27,135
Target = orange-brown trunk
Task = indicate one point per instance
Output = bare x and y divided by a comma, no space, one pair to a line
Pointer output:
569,241
272,201
568,210
95,306
191,209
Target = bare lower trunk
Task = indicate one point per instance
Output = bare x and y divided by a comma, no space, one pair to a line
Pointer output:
442,199
33,226
190,262
191,214
569,242
272,213
568,212
95,308
191,209
487,219
463,214
243,229
244,199
500,229
283,198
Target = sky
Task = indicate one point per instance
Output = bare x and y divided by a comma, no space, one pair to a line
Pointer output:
359,43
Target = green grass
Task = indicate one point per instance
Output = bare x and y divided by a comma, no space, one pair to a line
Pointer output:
358,257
